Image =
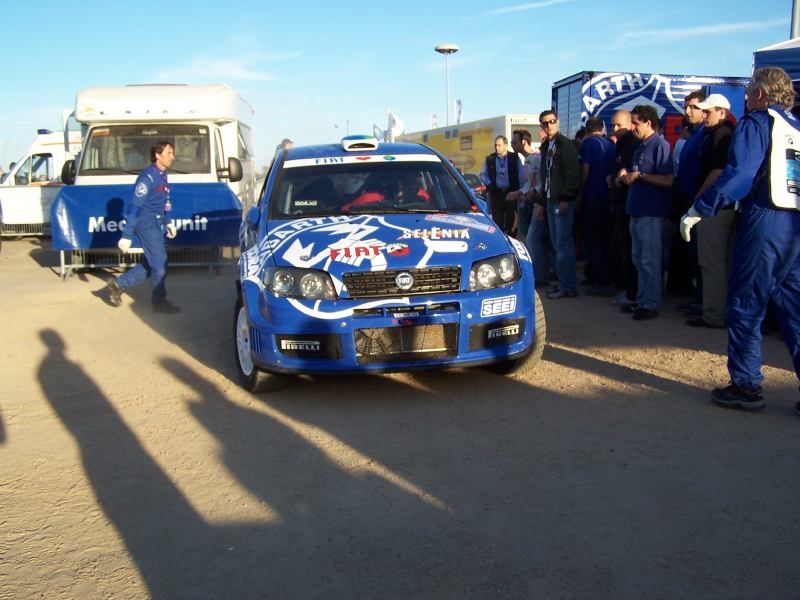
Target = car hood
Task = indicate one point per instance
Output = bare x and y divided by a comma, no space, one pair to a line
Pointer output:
385,242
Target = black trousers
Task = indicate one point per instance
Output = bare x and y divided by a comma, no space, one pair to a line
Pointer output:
503,211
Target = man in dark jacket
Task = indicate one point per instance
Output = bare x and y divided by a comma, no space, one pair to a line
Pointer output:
502,173
715,234
560,179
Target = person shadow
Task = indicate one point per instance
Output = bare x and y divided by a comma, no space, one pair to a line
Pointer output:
303,548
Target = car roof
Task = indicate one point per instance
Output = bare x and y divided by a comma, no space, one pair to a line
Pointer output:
328,150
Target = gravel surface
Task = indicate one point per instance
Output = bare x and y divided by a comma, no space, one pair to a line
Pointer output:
133,465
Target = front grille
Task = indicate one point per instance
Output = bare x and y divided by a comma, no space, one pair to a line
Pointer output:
381,284
14,229
405,343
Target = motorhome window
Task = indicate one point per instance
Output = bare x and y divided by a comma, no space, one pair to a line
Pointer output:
347,189
218,150
245,142
125,149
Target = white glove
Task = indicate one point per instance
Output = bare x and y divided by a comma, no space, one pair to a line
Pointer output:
171,231
689,220
124,244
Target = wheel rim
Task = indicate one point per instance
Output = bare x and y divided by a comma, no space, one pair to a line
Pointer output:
243,343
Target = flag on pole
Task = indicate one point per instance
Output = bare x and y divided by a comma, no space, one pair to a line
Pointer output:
396,126
434,121
458,112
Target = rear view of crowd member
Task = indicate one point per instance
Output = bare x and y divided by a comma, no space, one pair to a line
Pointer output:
766,253
560,182
538,239
596,162
623,270
714,235
501,174
649,206
521,144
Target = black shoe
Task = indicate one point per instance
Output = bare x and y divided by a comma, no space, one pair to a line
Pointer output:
642,314
114,293
629,309
734,396
797,409
701,322
165,307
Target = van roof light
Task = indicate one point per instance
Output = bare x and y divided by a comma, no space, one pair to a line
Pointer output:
353,143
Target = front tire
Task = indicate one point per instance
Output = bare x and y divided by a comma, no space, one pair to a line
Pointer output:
251,377
525,365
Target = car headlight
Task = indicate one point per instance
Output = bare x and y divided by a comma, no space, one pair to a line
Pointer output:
493,272
291,282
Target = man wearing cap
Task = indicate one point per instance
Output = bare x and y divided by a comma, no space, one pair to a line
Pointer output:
715,234
761,178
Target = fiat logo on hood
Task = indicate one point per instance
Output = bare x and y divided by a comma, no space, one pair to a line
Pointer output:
404,280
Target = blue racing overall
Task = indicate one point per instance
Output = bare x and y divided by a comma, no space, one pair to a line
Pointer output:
763,177
146,217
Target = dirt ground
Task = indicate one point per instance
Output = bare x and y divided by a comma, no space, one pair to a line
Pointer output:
133,466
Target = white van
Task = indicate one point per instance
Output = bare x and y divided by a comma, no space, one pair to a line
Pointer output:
30,187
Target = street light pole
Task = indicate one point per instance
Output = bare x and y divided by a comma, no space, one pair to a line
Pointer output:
447,50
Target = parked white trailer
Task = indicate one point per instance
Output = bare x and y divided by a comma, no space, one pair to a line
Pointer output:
30,187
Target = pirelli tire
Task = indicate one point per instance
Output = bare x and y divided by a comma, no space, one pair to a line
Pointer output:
251,377
525,365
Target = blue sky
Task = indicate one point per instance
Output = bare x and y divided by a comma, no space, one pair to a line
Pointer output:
308,67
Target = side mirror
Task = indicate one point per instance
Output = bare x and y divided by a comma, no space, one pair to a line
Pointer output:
252,217
68,172
234,171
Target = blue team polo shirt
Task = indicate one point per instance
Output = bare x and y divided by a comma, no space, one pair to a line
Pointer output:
599,153
687,179
652,157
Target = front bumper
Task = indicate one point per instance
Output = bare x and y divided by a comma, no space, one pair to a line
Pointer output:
399,334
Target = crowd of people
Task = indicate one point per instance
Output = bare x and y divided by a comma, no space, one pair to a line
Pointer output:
716,217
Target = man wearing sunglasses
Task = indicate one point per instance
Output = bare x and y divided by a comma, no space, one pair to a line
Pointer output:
560,177
687,182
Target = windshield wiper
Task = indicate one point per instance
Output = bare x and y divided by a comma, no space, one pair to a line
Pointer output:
412,209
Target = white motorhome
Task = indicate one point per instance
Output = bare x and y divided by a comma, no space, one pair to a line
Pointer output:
211,181
28,190
208,125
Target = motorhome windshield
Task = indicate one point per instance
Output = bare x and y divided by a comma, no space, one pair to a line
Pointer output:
125,149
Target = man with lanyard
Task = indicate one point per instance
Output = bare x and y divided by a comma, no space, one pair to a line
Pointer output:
501,174
761,178
146,217
560,182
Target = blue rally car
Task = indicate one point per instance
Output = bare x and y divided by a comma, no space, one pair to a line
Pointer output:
363,258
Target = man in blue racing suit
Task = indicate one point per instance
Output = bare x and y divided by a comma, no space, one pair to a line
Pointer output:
763,177
146,216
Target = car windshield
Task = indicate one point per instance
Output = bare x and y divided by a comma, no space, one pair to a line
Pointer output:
352,188
120,149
